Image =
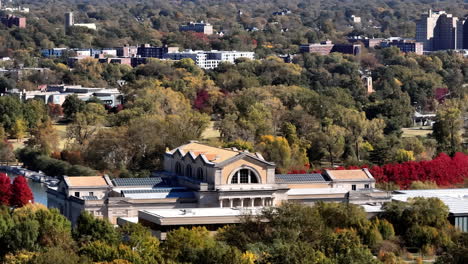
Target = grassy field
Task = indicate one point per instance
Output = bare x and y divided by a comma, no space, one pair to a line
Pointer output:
416,131
211,132
62,133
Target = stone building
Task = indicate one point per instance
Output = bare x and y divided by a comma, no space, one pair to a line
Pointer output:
196,175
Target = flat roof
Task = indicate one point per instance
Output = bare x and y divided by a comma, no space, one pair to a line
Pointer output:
196,216
455,199
317,191
200,212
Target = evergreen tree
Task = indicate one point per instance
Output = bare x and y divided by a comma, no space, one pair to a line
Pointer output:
21,193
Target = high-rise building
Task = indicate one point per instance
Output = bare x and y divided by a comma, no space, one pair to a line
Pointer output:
425,28
438,30
445,33
69,19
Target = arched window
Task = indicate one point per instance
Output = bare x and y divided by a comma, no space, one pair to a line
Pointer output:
244,176
178,168
200,174
188,171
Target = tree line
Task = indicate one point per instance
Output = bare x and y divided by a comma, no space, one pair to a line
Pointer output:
292,233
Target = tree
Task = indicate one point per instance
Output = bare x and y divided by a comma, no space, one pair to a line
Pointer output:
5,189
19,128
89,228
356,125
44,138
6,152
140,239
21,194
181,243
333,139
86,124
72,105
278,150
448,126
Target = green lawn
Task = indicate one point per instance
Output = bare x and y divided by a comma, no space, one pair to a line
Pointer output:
416,131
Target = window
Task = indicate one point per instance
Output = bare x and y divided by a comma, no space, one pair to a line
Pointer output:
353,187
178,168
366,186
91,193
200,174
244,176
77,194
188,171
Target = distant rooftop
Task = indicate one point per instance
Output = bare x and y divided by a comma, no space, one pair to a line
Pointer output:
348,175
455,199
138,181
200,212
299,178
81,181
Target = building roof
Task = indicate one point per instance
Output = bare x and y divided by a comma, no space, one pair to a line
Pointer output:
153,181
158,193
348,175
90,198
212,154
200,212
455,199
82,181
299,178
218,157
317,191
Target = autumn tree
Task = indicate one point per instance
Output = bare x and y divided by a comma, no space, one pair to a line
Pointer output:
21,194
86,124
19,129
44,138
278,150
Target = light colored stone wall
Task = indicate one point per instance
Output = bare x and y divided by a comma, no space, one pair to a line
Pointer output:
231,168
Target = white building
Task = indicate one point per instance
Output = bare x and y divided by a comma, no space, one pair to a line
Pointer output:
210,59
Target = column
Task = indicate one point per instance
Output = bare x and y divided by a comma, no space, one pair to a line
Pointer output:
241,202
221,203
231,203
272,200
252,200
263,201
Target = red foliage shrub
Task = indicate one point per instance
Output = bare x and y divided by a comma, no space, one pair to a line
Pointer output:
443,170
21,194
5,189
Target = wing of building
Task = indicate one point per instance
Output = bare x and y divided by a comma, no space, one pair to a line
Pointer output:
198,177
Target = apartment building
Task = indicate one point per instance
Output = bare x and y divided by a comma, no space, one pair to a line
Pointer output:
148,51
405,45
210,59
200,27
327,47
438,30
